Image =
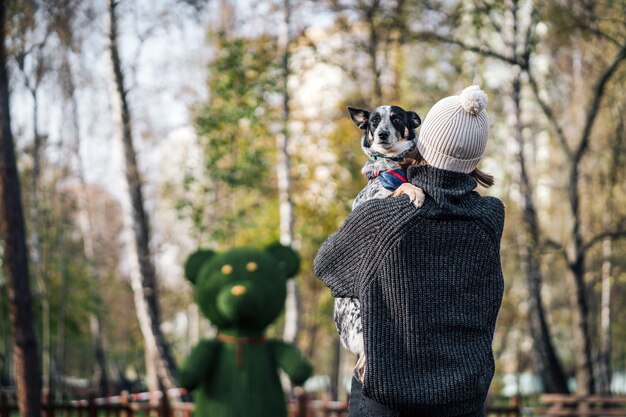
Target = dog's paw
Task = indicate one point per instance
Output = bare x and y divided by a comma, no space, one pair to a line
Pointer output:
416,195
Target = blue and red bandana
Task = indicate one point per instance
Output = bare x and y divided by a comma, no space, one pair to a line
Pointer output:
390,179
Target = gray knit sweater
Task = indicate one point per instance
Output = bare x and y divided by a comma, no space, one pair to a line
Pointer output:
430,285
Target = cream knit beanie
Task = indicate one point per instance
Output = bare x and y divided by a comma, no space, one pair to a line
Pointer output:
454,133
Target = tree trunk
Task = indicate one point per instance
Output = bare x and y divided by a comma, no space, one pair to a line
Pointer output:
585,381
84,222
372,49
580,309
12,228
547,363
604,361
143,277
283,173
35,248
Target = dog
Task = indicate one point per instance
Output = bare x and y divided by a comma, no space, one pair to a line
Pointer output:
388,140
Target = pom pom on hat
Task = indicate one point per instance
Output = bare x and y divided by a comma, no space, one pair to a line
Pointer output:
473,100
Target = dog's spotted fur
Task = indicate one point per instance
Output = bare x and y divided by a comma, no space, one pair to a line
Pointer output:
389,136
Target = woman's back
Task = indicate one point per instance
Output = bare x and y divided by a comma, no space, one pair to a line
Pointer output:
430,286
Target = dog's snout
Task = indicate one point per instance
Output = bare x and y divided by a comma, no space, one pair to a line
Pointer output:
383,135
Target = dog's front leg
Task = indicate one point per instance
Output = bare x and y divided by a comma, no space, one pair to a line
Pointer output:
416,195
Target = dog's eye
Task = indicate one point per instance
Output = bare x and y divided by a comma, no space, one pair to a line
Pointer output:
375,120
395,119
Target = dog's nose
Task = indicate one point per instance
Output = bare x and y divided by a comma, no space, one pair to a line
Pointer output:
383,135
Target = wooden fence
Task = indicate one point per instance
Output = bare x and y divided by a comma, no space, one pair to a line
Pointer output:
559,405
124,406
121,406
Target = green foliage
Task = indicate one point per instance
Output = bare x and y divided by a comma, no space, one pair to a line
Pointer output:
236,135
234,124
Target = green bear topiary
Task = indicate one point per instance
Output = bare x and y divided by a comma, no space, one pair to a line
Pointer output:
241,291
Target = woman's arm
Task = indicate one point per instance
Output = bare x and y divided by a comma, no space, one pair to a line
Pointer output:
341,259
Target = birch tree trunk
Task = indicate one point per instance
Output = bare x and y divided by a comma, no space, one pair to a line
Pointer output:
283,173
604,360
143,277
12,228
86,229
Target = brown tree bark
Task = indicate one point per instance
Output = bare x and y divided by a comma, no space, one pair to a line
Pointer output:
576,254
547,364
27,370
371,11
144,281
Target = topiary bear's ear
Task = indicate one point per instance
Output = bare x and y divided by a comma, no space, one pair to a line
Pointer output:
288,259
195,262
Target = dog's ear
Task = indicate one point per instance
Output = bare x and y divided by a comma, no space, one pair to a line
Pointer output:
359,117
414,119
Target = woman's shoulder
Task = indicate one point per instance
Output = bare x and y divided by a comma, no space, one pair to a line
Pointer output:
493,204
491,214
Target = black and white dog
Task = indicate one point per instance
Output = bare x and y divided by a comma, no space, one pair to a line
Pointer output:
388,139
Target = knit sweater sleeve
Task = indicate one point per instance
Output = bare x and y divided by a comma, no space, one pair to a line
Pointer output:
341,257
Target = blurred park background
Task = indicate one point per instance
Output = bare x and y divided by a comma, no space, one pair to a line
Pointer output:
146,129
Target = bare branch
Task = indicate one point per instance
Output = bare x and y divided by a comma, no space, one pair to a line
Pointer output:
557,247
486,8
615,234
529,38
481,50
552,244
547,111
596,32
598,92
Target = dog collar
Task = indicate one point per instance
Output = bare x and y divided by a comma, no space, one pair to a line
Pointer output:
386,158
390,179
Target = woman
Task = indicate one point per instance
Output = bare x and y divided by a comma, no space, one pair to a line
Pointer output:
429,280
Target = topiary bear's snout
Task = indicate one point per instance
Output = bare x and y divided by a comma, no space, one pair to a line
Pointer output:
238,302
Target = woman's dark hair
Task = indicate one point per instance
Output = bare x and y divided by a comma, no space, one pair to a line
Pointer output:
416,158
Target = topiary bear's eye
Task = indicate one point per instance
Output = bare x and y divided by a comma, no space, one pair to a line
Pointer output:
227,269
252,266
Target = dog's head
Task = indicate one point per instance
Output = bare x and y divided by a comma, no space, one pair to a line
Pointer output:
389,130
